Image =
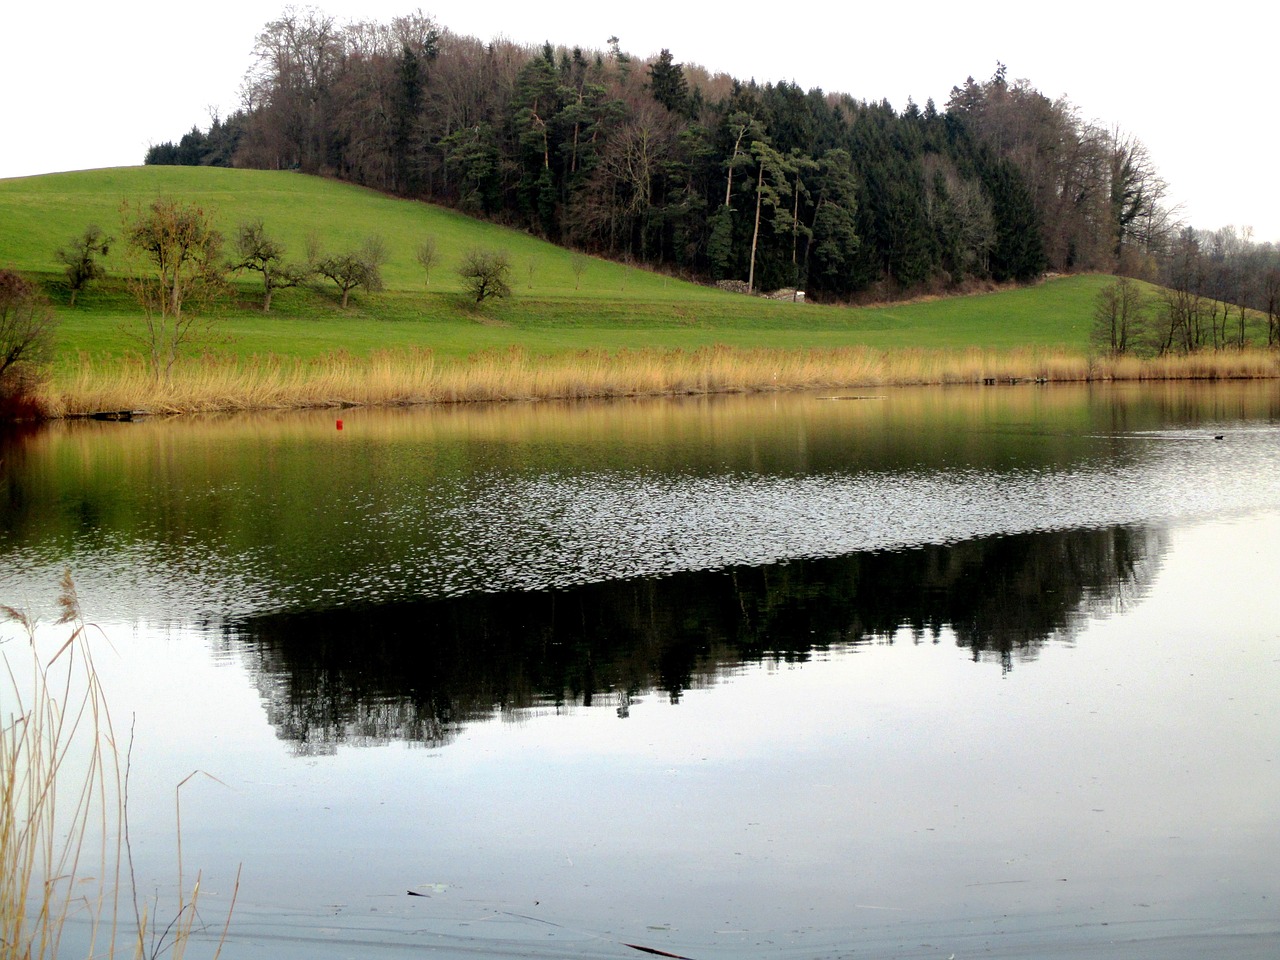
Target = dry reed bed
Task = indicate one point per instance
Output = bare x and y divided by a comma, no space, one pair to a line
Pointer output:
414,377
64,839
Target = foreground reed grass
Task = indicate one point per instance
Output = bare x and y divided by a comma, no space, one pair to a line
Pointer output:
61,795
64,811
416,376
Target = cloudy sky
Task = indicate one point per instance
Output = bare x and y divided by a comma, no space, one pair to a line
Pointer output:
92,85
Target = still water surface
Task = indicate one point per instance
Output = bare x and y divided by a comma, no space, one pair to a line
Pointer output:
908,673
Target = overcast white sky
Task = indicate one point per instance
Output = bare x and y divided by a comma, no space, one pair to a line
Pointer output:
87,84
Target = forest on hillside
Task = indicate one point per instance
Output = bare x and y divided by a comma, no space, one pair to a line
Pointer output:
668,165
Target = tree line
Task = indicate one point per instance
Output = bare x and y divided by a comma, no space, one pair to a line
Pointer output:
1220,289
664,163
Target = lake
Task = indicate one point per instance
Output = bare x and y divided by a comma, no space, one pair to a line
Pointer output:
881,673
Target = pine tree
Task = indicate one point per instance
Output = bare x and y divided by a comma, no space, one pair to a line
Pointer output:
667,84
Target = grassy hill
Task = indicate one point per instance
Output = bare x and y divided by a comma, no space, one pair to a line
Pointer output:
37,214
610,306
610,330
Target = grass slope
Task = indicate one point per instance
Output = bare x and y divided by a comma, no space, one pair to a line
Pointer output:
38,214
613,306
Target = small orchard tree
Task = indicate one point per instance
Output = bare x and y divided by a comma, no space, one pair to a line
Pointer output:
428,257
257,250
578,263
26,333
176,273
359,267
80,258
486,273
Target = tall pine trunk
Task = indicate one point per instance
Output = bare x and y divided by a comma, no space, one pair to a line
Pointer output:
755,233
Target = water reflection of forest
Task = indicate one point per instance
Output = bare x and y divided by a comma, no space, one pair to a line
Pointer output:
417,671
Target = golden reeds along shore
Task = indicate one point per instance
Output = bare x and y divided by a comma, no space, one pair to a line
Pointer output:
400,378
64,808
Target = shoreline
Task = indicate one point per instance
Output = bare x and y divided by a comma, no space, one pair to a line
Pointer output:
416,377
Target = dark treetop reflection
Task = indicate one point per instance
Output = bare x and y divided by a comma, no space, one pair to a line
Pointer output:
418,670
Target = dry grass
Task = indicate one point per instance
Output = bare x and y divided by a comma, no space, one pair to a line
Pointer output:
414,377
64,810
55,823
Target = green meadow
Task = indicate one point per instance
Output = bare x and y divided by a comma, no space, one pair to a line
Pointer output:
603,329
609,306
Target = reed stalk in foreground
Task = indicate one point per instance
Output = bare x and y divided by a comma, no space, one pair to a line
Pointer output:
415,376
63,808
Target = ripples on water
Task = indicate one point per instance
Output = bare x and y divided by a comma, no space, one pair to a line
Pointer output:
552,531
501,531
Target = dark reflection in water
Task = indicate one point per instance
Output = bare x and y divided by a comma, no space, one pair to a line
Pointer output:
418,671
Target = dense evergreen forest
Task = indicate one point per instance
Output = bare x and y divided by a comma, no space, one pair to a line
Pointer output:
656,162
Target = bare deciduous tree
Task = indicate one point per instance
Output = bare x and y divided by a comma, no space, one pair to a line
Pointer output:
26,332
297,58
1117,316
486,273
428,257
578,263
80,258
1271,304
258,251
175,273
360,267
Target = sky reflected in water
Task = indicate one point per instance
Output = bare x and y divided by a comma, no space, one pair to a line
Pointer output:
971,674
